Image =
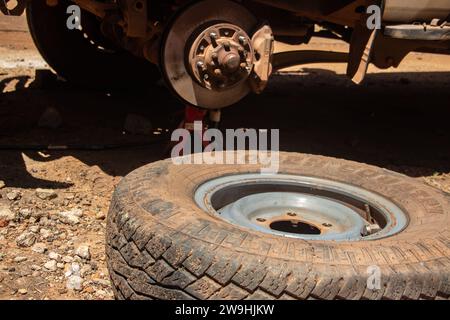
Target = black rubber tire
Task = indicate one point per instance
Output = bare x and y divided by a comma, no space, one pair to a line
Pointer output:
75,59
160,245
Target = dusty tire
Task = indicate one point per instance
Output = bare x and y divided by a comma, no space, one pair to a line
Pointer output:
160,245
77,60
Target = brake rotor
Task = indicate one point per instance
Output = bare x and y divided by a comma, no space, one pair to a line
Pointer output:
207,53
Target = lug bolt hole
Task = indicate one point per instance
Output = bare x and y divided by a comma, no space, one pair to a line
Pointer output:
139,5
291,214
261,220
327,225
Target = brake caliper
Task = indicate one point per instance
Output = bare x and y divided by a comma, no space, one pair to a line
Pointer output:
263,46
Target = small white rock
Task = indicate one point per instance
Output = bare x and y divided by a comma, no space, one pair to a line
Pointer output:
83,251
54,256
25,213
6,214
34,229
50,265
19,259
13,195
67,259
71,217
22,291
45,233
39,247
74,283
100,216
46,194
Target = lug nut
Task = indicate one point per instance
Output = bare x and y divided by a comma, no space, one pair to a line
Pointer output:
218,72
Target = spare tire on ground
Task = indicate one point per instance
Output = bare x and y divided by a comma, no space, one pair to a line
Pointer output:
322,228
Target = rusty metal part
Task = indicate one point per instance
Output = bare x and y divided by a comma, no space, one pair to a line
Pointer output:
15,11
180,37
408,11
263,45
221,56
136,15
418,32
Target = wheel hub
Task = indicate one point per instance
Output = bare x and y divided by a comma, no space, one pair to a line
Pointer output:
221,56
204,51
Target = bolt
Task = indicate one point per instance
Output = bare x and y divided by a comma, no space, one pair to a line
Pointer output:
227,45
327,225
213,37
218,72
261,220
206,77
242,41
241,52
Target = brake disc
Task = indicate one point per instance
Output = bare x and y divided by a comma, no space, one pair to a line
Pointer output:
207,54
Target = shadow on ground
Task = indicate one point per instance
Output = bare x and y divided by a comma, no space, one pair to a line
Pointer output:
398,121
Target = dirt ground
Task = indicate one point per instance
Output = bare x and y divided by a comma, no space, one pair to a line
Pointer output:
52,244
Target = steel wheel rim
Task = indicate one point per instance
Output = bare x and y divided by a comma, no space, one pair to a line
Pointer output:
278,204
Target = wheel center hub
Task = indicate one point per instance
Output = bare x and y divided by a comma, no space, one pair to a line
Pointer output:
221,56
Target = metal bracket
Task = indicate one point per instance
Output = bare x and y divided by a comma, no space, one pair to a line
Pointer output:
135,12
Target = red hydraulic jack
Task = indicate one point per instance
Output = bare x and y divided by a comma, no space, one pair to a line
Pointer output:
193,115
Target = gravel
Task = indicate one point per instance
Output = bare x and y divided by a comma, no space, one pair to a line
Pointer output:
46,194
6,214
26,239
